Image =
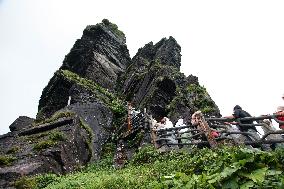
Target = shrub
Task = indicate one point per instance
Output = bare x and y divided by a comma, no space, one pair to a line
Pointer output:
7,160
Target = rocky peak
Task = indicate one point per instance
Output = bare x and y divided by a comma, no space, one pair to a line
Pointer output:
154,81
105,27
166,51
99,57
101,49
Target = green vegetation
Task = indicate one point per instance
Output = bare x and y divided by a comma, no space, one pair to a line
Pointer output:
53,138
7,160
57,136
55,117
90,139
113,27
44,145
179,100
13,150
201,98
226,167
135,142
26,183
115,104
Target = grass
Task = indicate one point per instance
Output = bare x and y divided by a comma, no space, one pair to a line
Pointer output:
53,138
6,160
55,117
57,136
44,145
226,167
13,150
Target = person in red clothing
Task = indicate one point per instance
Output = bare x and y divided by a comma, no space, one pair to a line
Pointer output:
214,133
280,111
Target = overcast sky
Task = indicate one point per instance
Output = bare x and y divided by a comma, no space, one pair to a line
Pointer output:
236,48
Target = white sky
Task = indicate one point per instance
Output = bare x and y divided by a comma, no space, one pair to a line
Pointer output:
236,48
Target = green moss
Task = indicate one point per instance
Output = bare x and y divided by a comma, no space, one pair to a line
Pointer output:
13,150
46,142
113,27
57,136
88,129
90,139
108,149
201,98
207,109
135,142
25,183
196,89
7,160
54,117
40,115
44,145
113,102
179,99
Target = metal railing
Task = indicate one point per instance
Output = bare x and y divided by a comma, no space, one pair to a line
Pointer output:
197,136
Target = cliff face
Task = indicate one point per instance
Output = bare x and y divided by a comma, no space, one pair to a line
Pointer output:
100,77
99,56
154,81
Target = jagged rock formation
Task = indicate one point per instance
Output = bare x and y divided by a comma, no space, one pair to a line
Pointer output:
154,81
100,77
100,56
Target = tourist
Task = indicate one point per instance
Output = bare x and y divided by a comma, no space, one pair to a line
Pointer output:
280,116
267,127
240,113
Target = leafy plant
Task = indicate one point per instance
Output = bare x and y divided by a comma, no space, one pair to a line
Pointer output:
225,167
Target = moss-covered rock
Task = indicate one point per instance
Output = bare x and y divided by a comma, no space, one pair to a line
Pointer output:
6,160
156,84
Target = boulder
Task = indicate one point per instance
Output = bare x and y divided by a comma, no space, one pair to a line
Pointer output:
61,146
99,118
21,123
